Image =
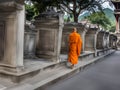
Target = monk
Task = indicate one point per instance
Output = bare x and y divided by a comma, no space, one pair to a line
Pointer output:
75,46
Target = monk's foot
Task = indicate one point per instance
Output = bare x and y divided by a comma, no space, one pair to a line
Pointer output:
72,66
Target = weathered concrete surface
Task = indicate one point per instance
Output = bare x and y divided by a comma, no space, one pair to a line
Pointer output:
102,76
48,74
33,67
118,41
49,25
100,40
11,35
91,39
2,87
113,41
30,39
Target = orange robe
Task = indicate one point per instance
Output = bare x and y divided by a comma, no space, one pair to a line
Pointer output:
75,46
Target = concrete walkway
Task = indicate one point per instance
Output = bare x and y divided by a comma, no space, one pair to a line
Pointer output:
104,75
47,73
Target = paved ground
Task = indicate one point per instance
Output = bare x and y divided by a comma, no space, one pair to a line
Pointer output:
104,75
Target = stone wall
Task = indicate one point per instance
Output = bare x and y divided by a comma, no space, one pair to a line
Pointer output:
113,41
11,34
30,39
91,39
118,40
49,25
106,40
100,40
2,39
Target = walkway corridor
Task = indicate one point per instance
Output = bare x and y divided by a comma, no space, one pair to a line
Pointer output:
104,75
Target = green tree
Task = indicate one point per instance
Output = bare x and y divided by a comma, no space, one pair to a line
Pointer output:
74,7
41,5
112,28
100,19
29,12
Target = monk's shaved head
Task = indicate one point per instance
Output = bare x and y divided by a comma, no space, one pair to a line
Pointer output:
74,29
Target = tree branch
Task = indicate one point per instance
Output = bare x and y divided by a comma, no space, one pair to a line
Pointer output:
64,9
67,6
101,2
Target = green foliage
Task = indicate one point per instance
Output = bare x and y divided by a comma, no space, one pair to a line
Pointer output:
30,11
110,14
70,6
112,28
42,5
100,19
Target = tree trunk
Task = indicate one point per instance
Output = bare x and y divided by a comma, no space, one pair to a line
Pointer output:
74,11
75,17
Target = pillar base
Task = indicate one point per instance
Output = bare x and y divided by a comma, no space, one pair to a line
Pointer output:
9,68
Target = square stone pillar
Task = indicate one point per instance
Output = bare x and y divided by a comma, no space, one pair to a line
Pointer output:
67,30
113,41
106,38
100,40
91,39
118,40
30,42
50,26
11,34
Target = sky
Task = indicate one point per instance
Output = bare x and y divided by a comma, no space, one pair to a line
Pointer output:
106,5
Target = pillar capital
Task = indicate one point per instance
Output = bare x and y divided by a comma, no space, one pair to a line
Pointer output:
11,5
